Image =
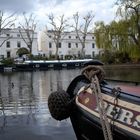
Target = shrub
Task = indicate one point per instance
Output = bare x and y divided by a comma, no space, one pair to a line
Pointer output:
8,61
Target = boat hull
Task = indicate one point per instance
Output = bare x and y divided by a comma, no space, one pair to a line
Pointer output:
86,119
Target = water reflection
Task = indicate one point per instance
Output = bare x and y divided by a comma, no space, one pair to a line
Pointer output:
23,103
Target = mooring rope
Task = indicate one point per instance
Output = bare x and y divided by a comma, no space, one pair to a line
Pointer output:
95,75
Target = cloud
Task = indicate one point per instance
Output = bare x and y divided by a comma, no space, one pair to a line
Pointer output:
59,1
54,1
103,9
17,5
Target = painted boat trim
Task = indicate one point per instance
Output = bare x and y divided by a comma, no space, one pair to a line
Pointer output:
121,104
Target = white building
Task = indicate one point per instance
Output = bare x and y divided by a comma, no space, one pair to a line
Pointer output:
15,41
69,45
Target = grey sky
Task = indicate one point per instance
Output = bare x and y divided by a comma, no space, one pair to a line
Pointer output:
17,5
103,9
20,6
56,1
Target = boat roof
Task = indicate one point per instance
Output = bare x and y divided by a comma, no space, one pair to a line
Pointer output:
133,90
126,92
57,61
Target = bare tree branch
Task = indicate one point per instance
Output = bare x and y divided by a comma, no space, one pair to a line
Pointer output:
59,24
5,40
83,28
29,28
6,22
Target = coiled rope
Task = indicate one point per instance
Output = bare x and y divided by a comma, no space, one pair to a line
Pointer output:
96,74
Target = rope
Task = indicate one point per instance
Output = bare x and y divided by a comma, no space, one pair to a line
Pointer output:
91,70
95,75
103,117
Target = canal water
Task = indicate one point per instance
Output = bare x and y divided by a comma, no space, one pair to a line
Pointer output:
24,113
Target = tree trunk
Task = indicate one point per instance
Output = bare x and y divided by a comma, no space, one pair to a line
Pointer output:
56,53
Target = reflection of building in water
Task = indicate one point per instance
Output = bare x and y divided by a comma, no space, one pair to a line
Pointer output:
56,80
7,87
10,89
44,85
53,80
31,90
50,81
59,80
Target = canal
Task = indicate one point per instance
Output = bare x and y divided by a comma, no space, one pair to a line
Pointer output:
24,112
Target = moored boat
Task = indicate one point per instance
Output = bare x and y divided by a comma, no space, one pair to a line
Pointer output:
30,65
97,109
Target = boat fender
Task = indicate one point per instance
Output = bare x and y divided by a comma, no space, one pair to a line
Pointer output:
59,104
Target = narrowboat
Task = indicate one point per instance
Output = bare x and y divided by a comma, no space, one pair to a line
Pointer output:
30,65
97,109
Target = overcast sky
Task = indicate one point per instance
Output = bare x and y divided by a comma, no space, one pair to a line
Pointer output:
104,10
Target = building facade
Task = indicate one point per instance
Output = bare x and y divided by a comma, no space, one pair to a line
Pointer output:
69,45
11,40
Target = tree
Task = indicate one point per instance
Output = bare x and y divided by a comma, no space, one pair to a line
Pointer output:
103,36
22,51
130,10
115,38
123,36
82,29
27,30
59,25
6,22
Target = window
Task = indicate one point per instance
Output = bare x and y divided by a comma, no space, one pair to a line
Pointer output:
29,46
76,37
18,44
93,45
8,44
93,37
78,53
50,36
69,37
76,44
8,54
61,57
69,45
50,53
7,35
50,45
18,35
59,45
93,54
1,56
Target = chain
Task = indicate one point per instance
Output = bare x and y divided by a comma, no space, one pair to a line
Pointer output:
116,92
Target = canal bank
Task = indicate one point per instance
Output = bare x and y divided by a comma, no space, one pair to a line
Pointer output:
124,72
118,66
